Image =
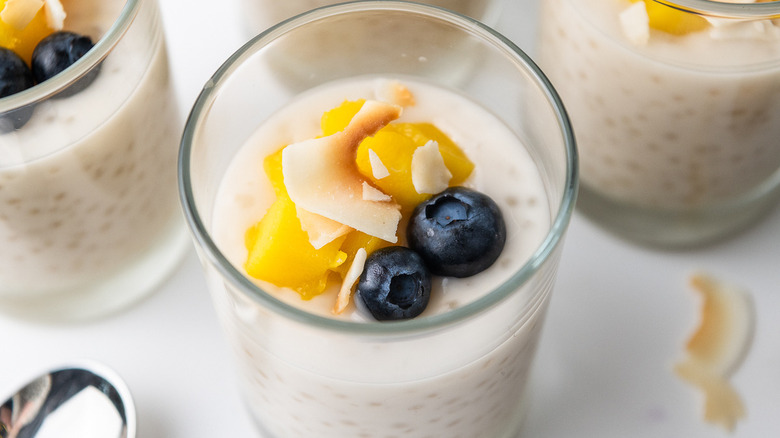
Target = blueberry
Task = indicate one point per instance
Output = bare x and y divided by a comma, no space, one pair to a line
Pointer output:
395,284
59,51
458,232
15,76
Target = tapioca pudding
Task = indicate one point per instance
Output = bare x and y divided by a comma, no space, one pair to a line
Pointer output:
319,382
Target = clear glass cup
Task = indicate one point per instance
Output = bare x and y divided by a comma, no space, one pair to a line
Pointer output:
462,372
677,122
89,219
258,15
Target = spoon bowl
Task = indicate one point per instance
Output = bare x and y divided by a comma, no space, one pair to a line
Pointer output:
84,401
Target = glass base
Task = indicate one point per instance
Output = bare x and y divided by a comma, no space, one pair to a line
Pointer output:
111,294
678,229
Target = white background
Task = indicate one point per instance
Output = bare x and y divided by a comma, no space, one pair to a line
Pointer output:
617,323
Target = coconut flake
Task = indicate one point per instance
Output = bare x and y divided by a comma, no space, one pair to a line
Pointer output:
370,193
19,13
718,347
378,168
321,175
321,230
636,23
352,276
55,14
395,92
429,173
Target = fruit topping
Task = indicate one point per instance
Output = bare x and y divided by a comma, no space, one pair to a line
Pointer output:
340,198
458,232
395,284
59,51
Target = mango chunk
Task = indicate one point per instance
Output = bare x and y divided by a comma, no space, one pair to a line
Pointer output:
23,40
338,118
280,252
673,21
457,162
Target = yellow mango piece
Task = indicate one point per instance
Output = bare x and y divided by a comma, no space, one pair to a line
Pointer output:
280,252
23,41
670,20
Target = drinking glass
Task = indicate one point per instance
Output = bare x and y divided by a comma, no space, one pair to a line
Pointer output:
459,373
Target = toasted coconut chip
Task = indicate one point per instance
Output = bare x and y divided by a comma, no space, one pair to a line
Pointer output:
429,173
320,229
378,168
352,276
718,347
395,92
321,175
55,14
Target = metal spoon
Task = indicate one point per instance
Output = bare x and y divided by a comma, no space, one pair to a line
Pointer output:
70,402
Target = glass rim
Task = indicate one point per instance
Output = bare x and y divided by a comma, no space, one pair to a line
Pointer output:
97,54
751,11
211,252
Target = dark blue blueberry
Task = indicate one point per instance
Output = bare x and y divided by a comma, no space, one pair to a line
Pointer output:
395,284
458,232
59,51
15,76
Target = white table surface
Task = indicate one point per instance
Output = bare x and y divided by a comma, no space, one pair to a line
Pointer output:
617,323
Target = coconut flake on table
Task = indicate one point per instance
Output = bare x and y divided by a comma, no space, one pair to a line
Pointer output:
718,347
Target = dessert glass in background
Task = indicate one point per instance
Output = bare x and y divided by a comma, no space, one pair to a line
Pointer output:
458,372
677,126
89,218
261,14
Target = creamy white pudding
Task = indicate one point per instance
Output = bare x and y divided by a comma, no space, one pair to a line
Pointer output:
679,123
88,185
303,381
